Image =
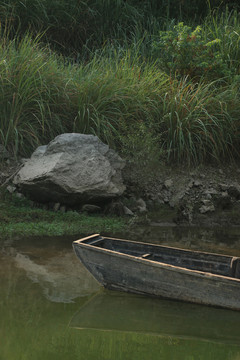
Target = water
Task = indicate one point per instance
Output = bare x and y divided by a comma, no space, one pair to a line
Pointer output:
52,308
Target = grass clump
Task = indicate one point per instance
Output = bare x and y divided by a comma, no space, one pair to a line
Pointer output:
225,26
197,123
41,97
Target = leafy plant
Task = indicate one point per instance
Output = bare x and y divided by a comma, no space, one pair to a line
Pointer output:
183,51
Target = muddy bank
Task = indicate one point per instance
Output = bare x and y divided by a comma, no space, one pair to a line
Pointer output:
206,195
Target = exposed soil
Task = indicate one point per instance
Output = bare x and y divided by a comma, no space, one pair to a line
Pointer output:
204,195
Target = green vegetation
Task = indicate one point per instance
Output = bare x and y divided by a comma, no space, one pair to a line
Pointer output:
182,51
119,69
17,217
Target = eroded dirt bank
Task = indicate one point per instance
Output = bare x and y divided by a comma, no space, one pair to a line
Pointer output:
204,195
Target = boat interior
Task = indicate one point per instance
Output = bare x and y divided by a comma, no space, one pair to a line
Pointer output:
212,263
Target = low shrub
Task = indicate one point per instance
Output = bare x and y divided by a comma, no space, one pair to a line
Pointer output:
183,51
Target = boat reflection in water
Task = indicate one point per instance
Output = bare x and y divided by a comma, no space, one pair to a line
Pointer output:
117,311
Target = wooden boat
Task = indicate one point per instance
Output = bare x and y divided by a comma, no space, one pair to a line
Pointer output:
162,271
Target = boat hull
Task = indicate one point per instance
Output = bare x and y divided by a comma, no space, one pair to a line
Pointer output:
133,274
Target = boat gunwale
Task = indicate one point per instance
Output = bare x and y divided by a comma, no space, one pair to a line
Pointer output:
144,243
197,273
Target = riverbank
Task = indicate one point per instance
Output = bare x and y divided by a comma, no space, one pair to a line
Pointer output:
207,196
179,196
21,217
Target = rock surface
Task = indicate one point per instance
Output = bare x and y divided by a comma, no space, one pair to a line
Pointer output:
72,169
201,196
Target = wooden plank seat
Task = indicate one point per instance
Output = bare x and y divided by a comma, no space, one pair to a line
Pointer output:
145,256
96,242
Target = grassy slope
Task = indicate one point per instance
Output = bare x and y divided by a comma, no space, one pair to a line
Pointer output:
181,87
110,96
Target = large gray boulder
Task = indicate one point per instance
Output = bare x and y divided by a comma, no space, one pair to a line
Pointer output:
72,169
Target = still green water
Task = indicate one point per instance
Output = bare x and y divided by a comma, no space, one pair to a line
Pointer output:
51,308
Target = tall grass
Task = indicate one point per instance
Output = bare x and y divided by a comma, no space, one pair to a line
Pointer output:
42,97
65,23
29,86
117,90
199,123
70,25
225,26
